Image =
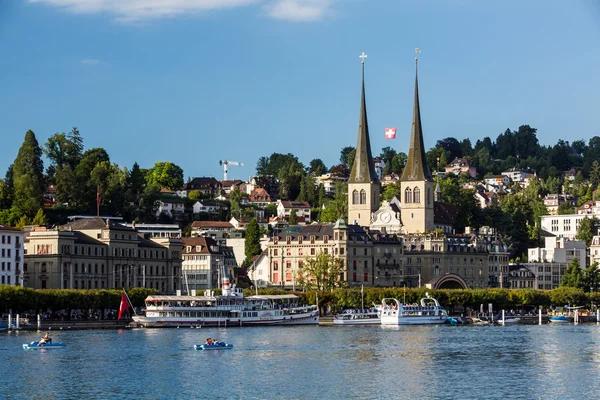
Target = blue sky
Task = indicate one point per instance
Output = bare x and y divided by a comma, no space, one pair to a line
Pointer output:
196,81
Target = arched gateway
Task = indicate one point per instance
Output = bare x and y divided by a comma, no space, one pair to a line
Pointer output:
448,281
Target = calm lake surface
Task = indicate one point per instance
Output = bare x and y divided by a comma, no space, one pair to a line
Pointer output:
371,362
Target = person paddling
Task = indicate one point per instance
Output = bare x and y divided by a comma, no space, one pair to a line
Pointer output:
45,339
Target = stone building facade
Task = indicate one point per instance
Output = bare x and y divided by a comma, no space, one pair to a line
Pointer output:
92,253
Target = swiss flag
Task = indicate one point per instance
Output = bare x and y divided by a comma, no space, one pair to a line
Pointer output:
390,133
124,306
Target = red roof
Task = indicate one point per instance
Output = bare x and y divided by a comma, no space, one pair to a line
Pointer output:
211,224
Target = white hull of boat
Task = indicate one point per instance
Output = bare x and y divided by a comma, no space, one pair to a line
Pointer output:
364,321
416,320
159,322
509,321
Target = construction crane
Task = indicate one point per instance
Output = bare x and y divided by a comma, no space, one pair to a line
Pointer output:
225,163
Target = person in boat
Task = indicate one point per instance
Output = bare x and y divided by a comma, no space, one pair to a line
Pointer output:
45,339
209,341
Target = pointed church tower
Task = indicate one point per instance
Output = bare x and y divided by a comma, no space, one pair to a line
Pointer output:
416,183
363,185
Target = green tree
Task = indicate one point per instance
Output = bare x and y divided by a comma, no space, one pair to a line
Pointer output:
252,241
84,193
347,156
322,273
317,167
591,278
391,190
595,173
28,176
565,208
7,189
135,184
588,227
40,218
194,195
165,174
337,207
62,149
270,210
293,220
572,276
235,197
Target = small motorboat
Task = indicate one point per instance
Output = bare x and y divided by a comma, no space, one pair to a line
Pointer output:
213,346
509,321
561,319
50,345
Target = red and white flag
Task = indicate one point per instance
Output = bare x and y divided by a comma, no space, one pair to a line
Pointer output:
124,305
390,133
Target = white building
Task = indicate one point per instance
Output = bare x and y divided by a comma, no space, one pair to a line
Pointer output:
170,206
203,264
328,181
156,230
301,208
562,225
259,270
515,175
11,256
549,263
559,249
210,207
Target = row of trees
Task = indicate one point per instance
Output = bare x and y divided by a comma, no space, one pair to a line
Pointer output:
20,299
81,180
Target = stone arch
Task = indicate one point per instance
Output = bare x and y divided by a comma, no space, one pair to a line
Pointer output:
448,281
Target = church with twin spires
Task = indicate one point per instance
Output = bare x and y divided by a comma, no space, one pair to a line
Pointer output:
416,184
397,243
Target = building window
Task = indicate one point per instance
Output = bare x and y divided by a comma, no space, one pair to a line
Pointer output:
355,196
416,195
408,195
312,251
363,197
275,266
366,278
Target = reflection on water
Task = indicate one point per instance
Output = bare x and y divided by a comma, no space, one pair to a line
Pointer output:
370,362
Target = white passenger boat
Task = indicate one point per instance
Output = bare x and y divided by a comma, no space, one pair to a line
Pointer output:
229,309
358,317
427,312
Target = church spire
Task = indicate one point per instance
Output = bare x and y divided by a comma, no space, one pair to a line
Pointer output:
416,168
363,170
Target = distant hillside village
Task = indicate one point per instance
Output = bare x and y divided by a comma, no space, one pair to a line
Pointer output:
507,213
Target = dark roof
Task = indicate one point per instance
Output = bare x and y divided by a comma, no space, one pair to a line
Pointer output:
295,204
444,213
201,183
416,168
363,170
149,243
8,228
82,238
93,223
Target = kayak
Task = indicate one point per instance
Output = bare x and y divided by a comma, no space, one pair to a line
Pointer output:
36,345
214,346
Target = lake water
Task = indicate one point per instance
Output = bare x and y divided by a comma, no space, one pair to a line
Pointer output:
375,362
